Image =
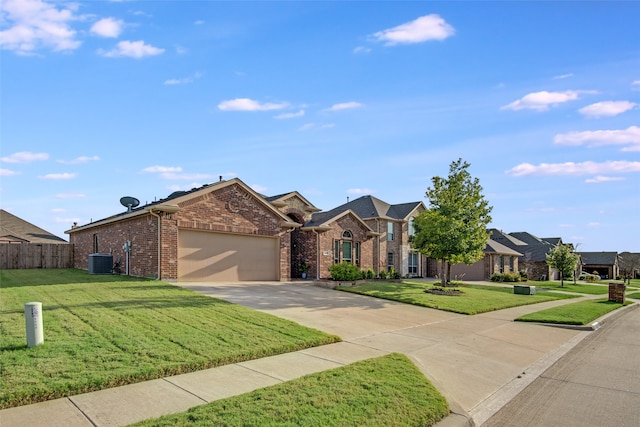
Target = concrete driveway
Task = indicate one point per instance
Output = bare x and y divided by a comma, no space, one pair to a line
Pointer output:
478,362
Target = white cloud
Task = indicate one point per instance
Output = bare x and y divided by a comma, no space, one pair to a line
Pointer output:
184,80
361,49
79,160
635,85
563,76
360,191
629,138
24,157
56,176
598,179
35,24
593,224
246,104
162,169
425,28
258,188
57,210
571,168
540,101
198,22
107,27
137,49
70,196
344,106
315,126
607,108
7,172
289,115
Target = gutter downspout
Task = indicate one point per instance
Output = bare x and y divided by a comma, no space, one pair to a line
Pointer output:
317,254
159,246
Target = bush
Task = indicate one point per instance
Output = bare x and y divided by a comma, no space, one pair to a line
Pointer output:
345,271
370,274
382,274
591,278
505,277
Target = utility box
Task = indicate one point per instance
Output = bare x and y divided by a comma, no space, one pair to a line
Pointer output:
524,290
100,264
33,321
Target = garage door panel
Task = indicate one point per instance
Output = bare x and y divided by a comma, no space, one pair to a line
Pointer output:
204,256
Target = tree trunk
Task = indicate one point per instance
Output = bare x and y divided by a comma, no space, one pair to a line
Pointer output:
443,272
448,273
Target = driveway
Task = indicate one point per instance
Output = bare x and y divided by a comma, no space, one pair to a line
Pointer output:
478,362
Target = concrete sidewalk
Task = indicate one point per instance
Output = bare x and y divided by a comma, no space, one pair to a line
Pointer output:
478,362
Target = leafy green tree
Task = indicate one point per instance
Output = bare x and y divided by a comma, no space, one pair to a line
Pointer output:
453,229
563,259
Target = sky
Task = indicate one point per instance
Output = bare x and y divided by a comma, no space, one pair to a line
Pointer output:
333,99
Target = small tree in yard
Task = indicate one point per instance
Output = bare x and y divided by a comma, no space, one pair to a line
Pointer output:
454,227
563,259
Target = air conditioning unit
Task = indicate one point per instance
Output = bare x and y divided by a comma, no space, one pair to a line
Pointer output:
100,264
524,290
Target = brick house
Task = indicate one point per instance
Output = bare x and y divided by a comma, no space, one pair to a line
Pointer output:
498,258
225,231
221,231
605,264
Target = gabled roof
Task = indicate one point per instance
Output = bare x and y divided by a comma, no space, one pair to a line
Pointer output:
367,207
17,230
599,258
171,204
527,238
506,239
322,222
494,247
281,199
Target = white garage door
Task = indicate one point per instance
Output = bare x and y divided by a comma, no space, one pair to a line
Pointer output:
220,257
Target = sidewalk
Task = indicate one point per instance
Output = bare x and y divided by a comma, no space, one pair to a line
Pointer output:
477,362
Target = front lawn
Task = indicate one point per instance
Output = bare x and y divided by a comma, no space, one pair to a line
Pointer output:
106,331
474,299
580,288
579,313
385,391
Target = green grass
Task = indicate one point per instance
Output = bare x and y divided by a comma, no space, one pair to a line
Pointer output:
385,391
579,313
106,331
635,295
580,288
475,299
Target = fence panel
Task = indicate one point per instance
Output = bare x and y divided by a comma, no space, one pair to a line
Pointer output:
35,255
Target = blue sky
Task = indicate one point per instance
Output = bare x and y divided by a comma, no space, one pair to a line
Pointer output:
104,99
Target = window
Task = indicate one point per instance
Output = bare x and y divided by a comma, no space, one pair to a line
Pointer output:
413,263
95,243
346,250
501,264
511,263
389,261
346,235
336,251
389,230
412,227
357,254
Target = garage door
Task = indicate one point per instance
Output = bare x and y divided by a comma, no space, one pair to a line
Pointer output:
219,257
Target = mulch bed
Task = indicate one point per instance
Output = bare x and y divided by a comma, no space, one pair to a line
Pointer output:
446,292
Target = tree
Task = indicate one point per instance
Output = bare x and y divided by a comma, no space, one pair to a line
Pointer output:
629,263
563,259
454,227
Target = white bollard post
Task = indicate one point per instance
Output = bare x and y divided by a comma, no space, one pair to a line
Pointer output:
33,319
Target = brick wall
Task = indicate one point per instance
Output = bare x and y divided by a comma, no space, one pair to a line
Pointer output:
359,233
141,231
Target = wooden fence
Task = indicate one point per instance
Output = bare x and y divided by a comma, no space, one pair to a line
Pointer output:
35,255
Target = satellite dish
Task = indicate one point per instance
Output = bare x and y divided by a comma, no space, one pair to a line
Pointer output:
129,202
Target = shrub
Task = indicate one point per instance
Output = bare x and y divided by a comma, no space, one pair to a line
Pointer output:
382,274
591,278
345,271
496,277
505,277
370,274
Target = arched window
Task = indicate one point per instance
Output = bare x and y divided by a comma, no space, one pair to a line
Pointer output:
347,235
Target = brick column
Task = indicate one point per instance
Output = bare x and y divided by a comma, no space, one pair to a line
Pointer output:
616,292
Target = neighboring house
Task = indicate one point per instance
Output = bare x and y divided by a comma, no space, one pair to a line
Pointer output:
604,264
534,252
388,229
498,258
24,245
17,230
225,231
